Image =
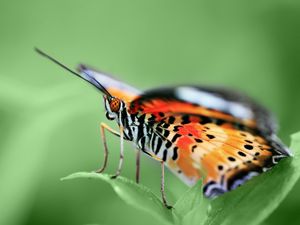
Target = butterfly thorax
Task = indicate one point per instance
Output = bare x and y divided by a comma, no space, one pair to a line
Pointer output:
142,130
148,135
135,129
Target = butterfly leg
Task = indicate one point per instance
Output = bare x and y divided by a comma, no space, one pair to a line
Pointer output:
121,154
162,187
104,127
162,184
138,162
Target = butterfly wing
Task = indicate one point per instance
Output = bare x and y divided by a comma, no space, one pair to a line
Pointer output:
218,105
210,138
223,156
115,87
212,102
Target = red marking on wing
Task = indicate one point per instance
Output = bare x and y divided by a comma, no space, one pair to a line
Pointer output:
185,162
184,142
190,129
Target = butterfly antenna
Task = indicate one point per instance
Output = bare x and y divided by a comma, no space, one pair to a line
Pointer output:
91,80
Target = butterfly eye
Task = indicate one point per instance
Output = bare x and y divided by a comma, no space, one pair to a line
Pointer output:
115,105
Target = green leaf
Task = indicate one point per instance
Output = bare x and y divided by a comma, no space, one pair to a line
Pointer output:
188,203
189,200
133,194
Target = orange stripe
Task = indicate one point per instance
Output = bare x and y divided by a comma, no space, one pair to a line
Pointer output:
180,107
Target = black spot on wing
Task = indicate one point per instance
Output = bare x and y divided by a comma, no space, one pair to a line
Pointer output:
166,125
205,120
210,136
175,137
176,128
242,154
161,114
220,167
194,147
248,147
198,140
171,120
220,122
231,159
185,119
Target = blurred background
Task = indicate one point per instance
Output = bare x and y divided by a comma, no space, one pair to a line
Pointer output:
50,120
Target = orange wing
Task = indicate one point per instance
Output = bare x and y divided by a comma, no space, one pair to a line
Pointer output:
220,136
220,154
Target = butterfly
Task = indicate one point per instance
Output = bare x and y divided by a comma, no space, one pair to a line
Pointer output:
218,135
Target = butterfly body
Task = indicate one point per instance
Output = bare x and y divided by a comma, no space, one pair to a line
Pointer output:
214,134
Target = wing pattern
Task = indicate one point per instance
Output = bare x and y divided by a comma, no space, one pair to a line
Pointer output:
225,157
225,147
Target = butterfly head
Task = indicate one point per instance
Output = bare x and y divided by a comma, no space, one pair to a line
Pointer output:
113,107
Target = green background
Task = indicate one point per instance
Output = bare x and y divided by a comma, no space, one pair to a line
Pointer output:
49,122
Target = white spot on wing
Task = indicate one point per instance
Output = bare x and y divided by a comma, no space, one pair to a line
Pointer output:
209,100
